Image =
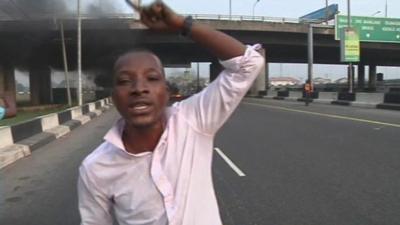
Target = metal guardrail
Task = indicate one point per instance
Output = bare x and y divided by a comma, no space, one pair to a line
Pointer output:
245,18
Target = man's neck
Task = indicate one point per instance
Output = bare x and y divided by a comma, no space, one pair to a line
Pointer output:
138,140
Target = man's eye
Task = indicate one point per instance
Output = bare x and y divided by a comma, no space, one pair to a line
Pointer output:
153,78
123,82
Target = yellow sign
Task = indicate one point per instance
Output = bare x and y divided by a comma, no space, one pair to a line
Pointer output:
350,46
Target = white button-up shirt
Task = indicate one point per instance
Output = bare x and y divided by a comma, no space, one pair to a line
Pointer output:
172,184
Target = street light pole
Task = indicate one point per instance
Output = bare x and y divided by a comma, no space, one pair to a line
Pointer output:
350,72
65,61
326,11
386,9
254,6
310,53
79,89
230,9
375,13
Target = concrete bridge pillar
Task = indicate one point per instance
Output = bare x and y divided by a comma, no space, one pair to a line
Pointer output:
7,79
361,76
40,85
215,69
259,85
372,76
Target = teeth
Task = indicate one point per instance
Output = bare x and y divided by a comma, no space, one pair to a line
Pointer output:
141,107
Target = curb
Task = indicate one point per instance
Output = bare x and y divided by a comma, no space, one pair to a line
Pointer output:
20,140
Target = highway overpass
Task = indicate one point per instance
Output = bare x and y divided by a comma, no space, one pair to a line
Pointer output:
35,45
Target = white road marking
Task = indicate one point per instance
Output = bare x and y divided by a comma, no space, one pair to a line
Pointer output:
230,163
327,115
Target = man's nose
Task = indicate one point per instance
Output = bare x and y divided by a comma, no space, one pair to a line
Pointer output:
139,87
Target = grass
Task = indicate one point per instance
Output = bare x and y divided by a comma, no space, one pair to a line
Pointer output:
24,116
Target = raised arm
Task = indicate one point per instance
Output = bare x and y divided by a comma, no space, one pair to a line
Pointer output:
209,109
159,16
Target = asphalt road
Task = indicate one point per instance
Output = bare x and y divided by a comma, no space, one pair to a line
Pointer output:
319,165
305,166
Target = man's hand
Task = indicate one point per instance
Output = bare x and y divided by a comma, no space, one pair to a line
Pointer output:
158,16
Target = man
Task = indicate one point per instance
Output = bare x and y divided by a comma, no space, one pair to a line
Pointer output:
8,108
154,167
308,90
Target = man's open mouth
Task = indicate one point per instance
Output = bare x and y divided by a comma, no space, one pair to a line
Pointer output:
140,107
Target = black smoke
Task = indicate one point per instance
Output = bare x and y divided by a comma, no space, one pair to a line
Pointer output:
50,8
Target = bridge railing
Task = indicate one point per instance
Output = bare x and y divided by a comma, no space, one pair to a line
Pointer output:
135,16
245,18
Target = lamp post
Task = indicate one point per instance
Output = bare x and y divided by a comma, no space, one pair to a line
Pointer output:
386,9
79,89
326,11
230,9
254,6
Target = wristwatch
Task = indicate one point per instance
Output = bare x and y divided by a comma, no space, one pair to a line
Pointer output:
187,26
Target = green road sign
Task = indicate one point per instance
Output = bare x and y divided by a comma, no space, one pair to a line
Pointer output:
370,29
350,46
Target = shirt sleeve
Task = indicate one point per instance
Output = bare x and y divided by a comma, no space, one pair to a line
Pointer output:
208,110
94,206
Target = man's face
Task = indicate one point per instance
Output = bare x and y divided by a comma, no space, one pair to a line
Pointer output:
140,90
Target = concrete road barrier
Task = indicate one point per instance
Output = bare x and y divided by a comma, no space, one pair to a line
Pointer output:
370,100
49,121
375,98
76,112
326,97
5,137
20,140
271,94
295,95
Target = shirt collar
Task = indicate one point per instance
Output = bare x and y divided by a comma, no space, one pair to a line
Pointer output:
114,135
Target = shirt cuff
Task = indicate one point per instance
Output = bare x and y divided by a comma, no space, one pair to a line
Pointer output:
234,64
